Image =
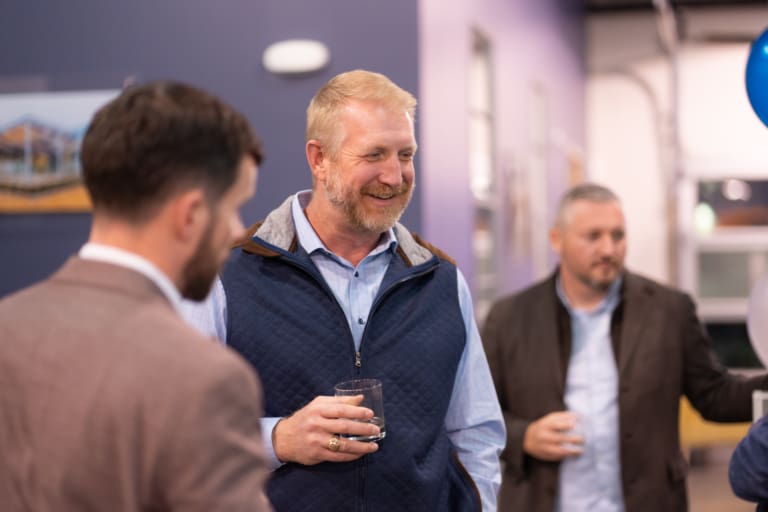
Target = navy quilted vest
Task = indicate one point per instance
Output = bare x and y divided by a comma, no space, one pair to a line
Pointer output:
291,329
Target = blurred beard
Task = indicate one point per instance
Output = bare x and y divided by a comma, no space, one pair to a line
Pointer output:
599,283
201,269
351,204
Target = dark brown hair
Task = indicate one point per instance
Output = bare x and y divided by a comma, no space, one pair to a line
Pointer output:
160,138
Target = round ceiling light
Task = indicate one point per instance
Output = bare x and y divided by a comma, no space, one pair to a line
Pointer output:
296,56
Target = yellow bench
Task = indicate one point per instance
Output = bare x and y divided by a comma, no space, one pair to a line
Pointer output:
696,432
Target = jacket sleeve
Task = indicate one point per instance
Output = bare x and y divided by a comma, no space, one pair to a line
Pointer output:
719,395
213,458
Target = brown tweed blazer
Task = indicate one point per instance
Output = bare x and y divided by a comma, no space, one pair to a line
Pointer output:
110,402
662,353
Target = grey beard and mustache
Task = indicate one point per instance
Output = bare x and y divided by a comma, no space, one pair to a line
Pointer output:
603,285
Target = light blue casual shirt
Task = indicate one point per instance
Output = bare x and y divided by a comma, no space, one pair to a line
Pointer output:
592,481
474,421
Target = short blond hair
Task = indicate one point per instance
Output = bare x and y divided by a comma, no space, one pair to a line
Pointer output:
325,108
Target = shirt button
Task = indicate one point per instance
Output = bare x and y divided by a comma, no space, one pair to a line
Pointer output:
360,321
357,274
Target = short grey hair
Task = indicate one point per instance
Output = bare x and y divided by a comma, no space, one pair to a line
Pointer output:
591,192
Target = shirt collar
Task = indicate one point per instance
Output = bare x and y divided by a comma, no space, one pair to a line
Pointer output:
109,254
308,238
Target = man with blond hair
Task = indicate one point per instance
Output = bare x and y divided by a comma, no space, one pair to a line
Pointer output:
331,287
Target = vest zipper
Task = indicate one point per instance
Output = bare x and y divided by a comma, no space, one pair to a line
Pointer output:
319,279
375,305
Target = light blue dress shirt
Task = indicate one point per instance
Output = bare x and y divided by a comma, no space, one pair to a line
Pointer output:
592,481
474,421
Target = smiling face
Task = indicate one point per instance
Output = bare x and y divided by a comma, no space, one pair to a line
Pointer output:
590,239
367,184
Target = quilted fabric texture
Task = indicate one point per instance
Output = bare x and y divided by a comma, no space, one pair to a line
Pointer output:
284,320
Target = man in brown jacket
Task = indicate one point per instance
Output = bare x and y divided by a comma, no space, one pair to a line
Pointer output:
108,401
590,365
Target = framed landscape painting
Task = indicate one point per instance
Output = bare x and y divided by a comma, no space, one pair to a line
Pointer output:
40,136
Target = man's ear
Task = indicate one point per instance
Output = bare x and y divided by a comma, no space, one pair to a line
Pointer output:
190,215
555,239
317,159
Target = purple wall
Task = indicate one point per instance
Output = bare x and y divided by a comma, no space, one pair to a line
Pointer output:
534,44
422,45
90,44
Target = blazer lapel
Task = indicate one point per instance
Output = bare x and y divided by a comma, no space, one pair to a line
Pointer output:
555,340
640,321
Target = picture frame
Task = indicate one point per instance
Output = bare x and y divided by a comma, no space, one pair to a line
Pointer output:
40,137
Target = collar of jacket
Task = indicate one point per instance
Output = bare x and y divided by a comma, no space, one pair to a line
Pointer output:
277,231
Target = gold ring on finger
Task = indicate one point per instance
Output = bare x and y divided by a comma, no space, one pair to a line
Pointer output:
334,444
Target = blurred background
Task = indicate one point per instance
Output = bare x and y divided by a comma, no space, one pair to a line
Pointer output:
518,99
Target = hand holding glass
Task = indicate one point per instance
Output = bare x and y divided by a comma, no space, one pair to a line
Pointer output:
576,430
370,389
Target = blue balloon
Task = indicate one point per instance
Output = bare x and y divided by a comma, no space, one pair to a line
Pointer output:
757,77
